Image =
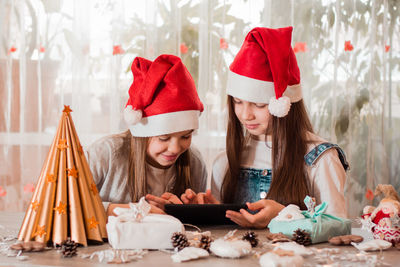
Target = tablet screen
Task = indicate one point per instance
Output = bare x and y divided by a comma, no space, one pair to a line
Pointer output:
202,214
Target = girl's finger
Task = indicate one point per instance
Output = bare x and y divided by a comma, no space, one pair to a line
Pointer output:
237,218
249,217
174,199
200,198
258,220
159,200
190,194
154,203
167,195
184,199
210,198
157,210
257,205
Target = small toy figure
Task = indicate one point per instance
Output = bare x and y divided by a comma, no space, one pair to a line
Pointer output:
384,219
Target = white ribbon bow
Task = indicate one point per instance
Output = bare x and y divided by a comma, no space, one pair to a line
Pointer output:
135,212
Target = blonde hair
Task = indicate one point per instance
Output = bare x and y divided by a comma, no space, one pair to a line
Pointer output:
137,178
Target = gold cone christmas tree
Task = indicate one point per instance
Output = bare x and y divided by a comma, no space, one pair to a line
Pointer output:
65,202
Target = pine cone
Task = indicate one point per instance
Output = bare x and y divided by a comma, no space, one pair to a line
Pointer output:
251,237
68,248
179,241
205,242
302,237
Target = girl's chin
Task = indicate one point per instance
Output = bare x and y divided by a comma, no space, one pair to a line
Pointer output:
257,134
165,163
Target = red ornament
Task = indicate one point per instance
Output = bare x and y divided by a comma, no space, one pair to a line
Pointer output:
369,194
387,48
42,49
183,48
348,46
223,44
29,188
3,192
12,49
300,47
117,50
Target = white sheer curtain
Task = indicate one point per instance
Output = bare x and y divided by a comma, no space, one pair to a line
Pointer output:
78,53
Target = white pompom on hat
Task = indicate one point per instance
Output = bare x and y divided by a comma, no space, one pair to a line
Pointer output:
162,98
265,70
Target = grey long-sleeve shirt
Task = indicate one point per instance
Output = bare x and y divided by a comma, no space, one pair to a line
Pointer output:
108,161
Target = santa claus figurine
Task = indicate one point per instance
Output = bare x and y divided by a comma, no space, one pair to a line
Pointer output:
386,215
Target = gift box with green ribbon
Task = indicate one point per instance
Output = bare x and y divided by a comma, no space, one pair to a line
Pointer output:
321,226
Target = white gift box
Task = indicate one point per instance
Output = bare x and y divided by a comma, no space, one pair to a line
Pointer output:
135,228
153,232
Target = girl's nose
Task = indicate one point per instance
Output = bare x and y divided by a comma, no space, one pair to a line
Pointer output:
174,146
247,113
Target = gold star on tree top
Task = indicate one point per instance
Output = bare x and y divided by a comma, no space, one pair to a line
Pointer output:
93,223
72,172
67,109
35,205
61,208
50,178
93,188
62,144
39,231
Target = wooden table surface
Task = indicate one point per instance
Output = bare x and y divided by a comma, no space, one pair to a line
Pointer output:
10,223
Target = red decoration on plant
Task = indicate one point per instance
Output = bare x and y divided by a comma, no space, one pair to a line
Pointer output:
300,47
29,188
223,44
387,48
369,194
3,192
42,49
117,50
12,49
183,48
348,46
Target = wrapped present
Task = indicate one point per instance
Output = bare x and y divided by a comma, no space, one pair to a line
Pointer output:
135,228
319,225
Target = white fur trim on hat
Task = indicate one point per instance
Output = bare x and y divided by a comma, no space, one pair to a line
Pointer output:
132,116
279,107
166,123
258,91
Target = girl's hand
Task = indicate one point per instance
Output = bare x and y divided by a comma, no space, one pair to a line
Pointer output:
166,198
190,197
267,210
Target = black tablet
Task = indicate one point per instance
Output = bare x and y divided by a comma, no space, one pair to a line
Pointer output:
202,214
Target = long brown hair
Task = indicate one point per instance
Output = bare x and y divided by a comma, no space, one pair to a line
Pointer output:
137,169
289,145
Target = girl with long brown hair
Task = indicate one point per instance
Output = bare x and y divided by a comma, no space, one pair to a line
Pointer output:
153,158
273,157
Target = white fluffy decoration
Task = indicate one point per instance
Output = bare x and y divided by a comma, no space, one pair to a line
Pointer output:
271,259
290,213
372,245
189,253
296,248
132,116
279,107
230,248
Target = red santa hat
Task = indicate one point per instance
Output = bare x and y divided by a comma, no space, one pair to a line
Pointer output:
265,70
162,98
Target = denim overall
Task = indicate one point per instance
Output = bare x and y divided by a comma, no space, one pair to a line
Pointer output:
254,184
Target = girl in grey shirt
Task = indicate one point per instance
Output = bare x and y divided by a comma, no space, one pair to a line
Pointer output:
153,158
